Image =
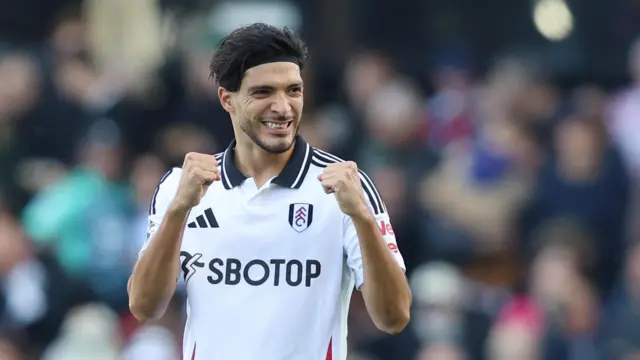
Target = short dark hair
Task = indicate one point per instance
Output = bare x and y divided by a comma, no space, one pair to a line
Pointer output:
245,46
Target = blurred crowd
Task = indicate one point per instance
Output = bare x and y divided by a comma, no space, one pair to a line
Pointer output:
513,200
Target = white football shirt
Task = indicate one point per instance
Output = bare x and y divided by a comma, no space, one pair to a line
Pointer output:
269,271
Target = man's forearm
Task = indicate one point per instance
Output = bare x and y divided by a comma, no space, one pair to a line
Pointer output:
153,280
386,291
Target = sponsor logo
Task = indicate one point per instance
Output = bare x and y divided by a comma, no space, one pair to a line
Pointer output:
257,272
190,264
385,228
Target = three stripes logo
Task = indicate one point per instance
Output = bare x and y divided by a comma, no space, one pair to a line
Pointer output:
208,220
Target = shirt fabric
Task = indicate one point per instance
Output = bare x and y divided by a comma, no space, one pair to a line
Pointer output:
269,271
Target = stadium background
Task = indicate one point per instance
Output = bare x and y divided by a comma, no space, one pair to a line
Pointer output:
503,135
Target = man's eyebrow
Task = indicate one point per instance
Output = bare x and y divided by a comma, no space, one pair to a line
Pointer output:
271,88
260,87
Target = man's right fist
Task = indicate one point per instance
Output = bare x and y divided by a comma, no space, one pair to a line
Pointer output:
198,172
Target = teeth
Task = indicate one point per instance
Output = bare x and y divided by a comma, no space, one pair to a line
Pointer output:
271,125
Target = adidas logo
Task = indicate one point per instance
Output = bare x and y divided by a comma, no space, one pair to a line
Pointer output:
204,221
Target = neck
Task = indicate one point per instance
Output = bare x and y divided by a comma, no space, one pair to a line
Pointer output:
259,164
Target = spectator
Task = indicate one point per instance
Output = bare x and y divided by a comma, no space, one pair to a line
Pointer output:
36,293
475,193
620,328
87,232
517,332
89,332
585,179
444,322
562,285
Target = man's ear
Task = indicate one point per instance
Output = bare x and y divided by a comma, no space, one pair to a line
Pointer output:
226,100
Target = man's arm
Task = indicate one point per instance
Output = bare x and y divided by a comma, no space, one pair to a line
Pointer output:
385,289
153,280
374,259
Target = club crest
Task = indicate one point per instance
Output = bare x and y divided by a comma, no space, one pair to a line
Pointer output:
300,216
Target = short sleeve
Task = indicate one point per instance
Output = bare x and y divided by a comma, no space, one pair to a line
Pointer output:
162,197
351,241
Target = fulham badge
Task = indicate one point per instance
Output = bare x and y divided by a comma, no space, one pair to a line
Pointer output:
300,216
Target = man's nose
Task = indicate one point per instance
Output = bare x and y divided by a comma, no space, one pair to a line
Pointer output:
281,104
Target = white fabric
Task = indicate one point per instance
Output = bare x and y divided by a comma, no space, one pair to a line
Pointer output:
260,286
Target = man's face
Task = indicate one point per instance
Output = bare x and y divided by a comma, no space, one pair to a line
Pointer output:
268,106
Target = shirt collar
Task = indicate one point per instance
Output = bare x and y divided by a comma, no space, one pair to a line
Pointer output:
291,176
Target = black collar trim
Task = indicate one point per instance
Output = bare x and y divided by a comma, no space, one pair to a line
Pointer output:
291,176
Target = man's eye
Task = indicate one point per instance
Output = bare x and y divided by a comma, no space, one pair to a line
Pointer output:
295,90
260,92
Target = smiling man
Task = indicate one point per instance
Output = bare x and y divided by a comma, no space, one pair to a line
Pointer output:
272,235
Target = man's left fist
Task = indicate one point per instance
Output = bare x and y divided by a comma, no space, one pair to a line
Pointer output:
343,180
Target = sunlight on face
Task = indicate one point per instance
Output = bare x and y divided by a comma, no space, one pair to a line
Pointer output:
269,105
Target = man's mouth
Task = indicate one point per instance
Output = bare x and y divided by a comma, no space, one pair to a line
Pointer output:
277,125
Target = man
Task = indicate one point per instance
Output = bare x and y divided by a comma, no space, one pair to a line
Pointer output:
271,235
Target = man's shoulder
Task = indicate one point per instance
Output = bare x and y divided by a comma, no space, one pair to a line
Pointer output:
172,176
166,189
321,159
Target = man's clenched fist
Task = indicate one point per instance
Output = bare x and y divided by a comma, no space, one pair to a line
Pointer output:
198,172
343,180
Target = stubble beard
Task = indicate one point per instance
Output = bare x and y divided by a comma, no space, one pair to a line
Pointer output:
247,126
